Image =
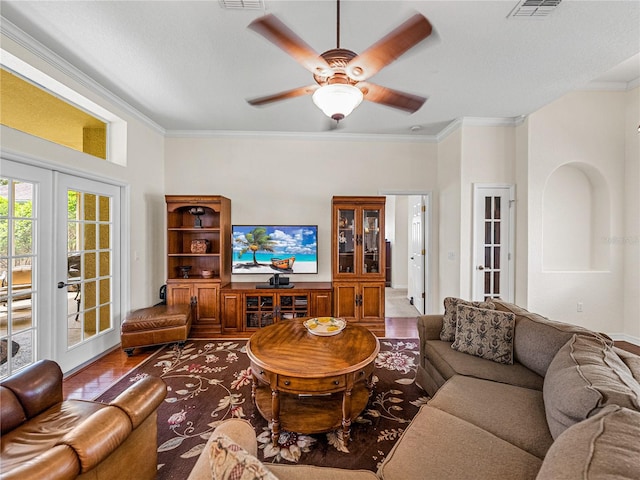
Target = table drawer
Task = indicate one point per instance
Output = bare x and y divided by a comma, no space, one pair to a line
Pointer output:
309,385
260,374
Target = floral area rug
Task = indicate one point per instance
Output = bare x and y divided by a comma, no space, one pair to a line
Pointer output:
210,381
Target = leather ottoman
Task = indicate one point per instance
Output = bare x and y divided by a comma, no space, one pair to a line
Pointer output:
155,326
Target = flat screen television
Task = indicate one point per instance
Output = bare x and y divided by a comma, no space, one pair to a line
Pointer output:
274,249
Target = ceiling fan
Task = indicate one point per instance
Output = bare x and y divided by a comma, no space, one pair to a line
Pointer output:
341,74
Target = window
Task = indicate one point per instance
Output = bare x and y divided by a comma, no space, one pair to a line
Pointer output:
39,105
30,109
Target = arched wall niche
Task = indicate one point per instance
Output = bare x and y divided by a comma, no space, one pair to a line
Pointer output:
576,219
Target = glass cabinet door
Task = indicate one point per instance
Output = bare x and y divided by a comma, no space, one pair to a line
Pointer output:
371,244
346,240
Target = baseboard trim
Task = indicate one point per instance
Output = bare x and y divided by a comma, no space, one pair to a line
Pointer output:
623,337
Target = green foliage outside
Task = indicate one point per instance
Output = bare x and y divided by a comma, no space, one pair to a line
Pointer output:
23,227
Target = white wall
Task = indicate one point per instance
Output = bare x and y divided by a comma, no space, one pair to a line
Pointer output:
447,253
291,180
631,238
587,128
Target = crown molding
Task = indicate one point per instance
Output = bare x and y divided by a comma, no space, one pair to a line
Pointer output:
479,122
319,136
611,86
29,43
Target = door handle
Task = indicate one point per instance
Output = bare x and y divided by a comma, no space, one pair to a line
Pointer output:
62,284
480,267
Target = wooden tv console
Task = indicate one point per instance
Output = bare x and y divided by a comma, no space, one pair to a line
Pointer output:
246,307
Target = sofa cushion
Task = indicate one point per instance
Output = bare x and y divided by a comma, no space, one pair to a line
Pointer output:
514,414
585,376
229,461
537,339
604,446
439,445
630,360
485,333
450,362
312,472
448,332
41,433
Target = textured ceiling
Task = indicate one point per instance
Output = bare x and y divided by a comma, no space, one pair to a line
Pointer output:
191,65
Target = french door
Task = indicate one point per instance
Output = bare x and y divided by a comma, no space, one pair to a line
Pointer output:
87,253
493,272
25,265
60,254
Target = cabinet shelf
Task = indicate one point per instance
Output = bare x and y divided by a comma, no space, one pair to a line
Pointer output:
194,254
193,229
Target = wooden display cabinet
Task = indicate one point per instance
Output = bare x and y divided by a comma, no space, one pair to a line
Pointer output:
358,262
198,256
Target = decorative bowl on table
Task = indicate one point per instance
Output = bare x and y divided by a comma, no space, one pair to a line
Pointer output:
325,326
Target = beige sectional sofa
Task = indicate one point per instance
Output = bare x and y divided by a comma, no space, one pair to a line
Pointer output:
565,405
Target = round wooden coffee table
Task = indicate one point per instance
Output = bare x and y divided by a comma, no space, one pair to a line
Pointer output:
307,383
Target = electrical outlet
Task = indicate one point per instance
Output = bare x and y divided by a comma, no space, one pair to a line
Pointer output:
579,307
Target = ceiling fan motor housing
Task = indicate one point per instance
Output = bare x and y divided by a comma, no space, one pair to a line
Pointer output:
338,59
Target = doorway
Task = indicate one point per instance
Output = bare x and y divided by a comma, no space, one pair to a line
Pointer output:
407,230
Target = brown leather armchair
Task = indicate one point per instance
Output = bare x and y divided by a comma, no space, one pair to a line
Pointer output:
44,437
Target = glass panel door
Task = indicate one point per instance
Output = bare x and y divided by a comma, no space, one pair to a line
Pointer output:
89,252
493,217
371,247
346,240
25,234
18,261
88,269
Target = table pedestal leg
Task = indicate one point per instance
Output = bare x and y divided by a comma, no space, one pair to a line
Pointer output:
275,421
346,415
254,387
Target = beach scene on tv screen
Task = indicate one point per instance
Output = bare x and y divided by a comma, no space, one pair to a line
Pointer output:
275,249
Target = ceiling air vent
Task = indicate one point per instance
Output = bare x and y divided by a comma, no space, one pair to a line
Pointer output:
242,4
534,8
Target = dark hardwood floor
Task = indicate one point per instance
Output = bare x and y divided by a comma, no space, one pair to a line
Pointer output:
98,376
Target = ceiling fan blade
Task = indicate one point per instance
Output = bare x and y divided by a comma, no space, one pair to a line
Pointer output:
390,47
296,92
391,98
271,28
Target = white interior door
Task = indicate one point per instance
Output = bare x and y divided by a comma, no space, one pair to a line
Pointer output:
416,288
87,269
493,273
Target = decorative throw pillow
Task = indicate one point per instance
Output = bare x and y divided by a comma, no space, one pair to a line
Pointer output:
485,333
229,461
585,376
448,332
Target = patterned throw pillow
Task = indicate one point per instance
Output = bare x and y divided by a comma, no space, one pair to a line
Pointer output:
448,332
229,461
485,333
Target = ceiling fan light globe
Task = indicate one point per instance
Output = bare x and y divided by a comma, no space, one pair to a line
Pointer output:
337,100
